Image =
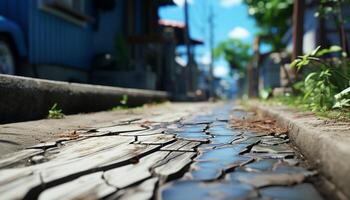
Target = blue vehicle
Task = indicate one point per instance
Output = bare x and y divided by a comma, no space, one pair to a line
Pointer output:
12,46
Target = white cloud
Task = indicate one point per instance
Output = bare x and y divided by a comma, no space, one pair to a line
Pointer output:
221,71
230,3
205,59
239,33
181,3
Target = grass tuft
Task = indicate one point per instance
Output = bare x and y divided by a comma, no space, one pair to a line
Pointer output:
55,112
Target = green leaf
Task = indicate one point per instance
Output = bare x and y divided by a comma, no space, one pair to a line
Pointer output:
265,93
331,49
295,63
309,77
124,100
314,52
342,93
314,58
335,48
55,112
342,103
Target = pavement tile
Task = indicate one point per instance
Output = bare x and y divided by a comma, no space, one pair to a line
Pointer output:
261,165
259,180
197,190
170,156
303,191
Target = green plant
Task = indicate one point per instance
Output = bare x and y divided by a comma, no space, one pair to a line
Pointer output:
319,91
123,102
55,112
298,102
265,93
273,17
342,99
327,86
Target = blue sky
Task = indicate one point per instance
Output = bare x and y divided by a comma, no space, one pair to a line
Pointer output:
230,18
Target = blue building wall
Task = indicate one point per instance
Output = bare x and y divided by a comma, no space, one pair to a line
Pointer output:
110,24
54,40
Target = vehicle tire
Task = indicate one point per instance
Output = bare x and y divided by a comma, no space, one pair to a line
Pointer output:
7,58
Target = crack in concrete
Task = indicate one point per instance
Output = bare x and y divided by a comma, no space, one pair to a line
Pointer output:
224,170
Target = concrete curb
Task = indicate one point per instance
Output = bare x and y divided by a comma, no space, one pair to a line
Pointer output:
326,145
24,98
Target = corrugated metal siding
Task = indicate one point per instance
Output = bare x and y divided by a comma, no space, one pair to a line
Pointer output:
53,40
16,10
139,17
110,24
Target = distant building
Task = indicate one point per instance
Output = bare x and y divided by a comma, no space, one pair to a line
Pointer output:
270,70
178,77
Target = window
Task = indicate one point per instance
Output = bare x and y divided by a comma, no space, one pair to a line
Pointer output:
77,5
70,10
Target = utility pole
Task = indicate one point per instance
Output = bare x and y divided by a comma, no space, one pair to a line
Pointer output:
211,46
298,32
298,28
189,70
253,70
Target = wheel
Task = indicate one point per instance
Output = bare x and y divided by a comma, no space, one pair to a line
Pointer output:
7,61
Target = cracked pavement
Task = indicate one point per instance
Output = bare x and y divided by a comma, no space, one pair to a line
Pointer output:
191,152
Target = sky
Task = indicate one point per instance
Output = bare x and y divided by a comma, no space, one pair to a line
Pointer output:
231,20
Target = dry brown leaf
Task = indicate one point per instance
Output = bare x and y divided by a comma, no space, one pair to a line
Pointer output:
259,124
69,134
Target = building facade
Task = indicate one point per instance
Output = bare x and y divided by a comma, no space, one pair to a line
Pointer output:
110,42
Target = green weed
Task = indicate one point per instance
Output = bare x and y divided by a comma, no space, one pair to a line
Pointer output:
55,112
123,102
327,86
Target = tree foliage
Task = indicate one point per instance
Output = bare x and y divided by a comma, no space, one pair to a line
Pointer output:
235,52
273,17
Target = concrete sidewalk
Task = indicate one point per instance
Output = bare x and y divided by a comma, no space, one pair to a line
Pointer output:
29,99
169,151
18,136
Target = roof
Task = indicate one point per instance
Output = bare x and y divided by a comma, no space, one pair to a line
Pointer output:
166,2
179,28
172,23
